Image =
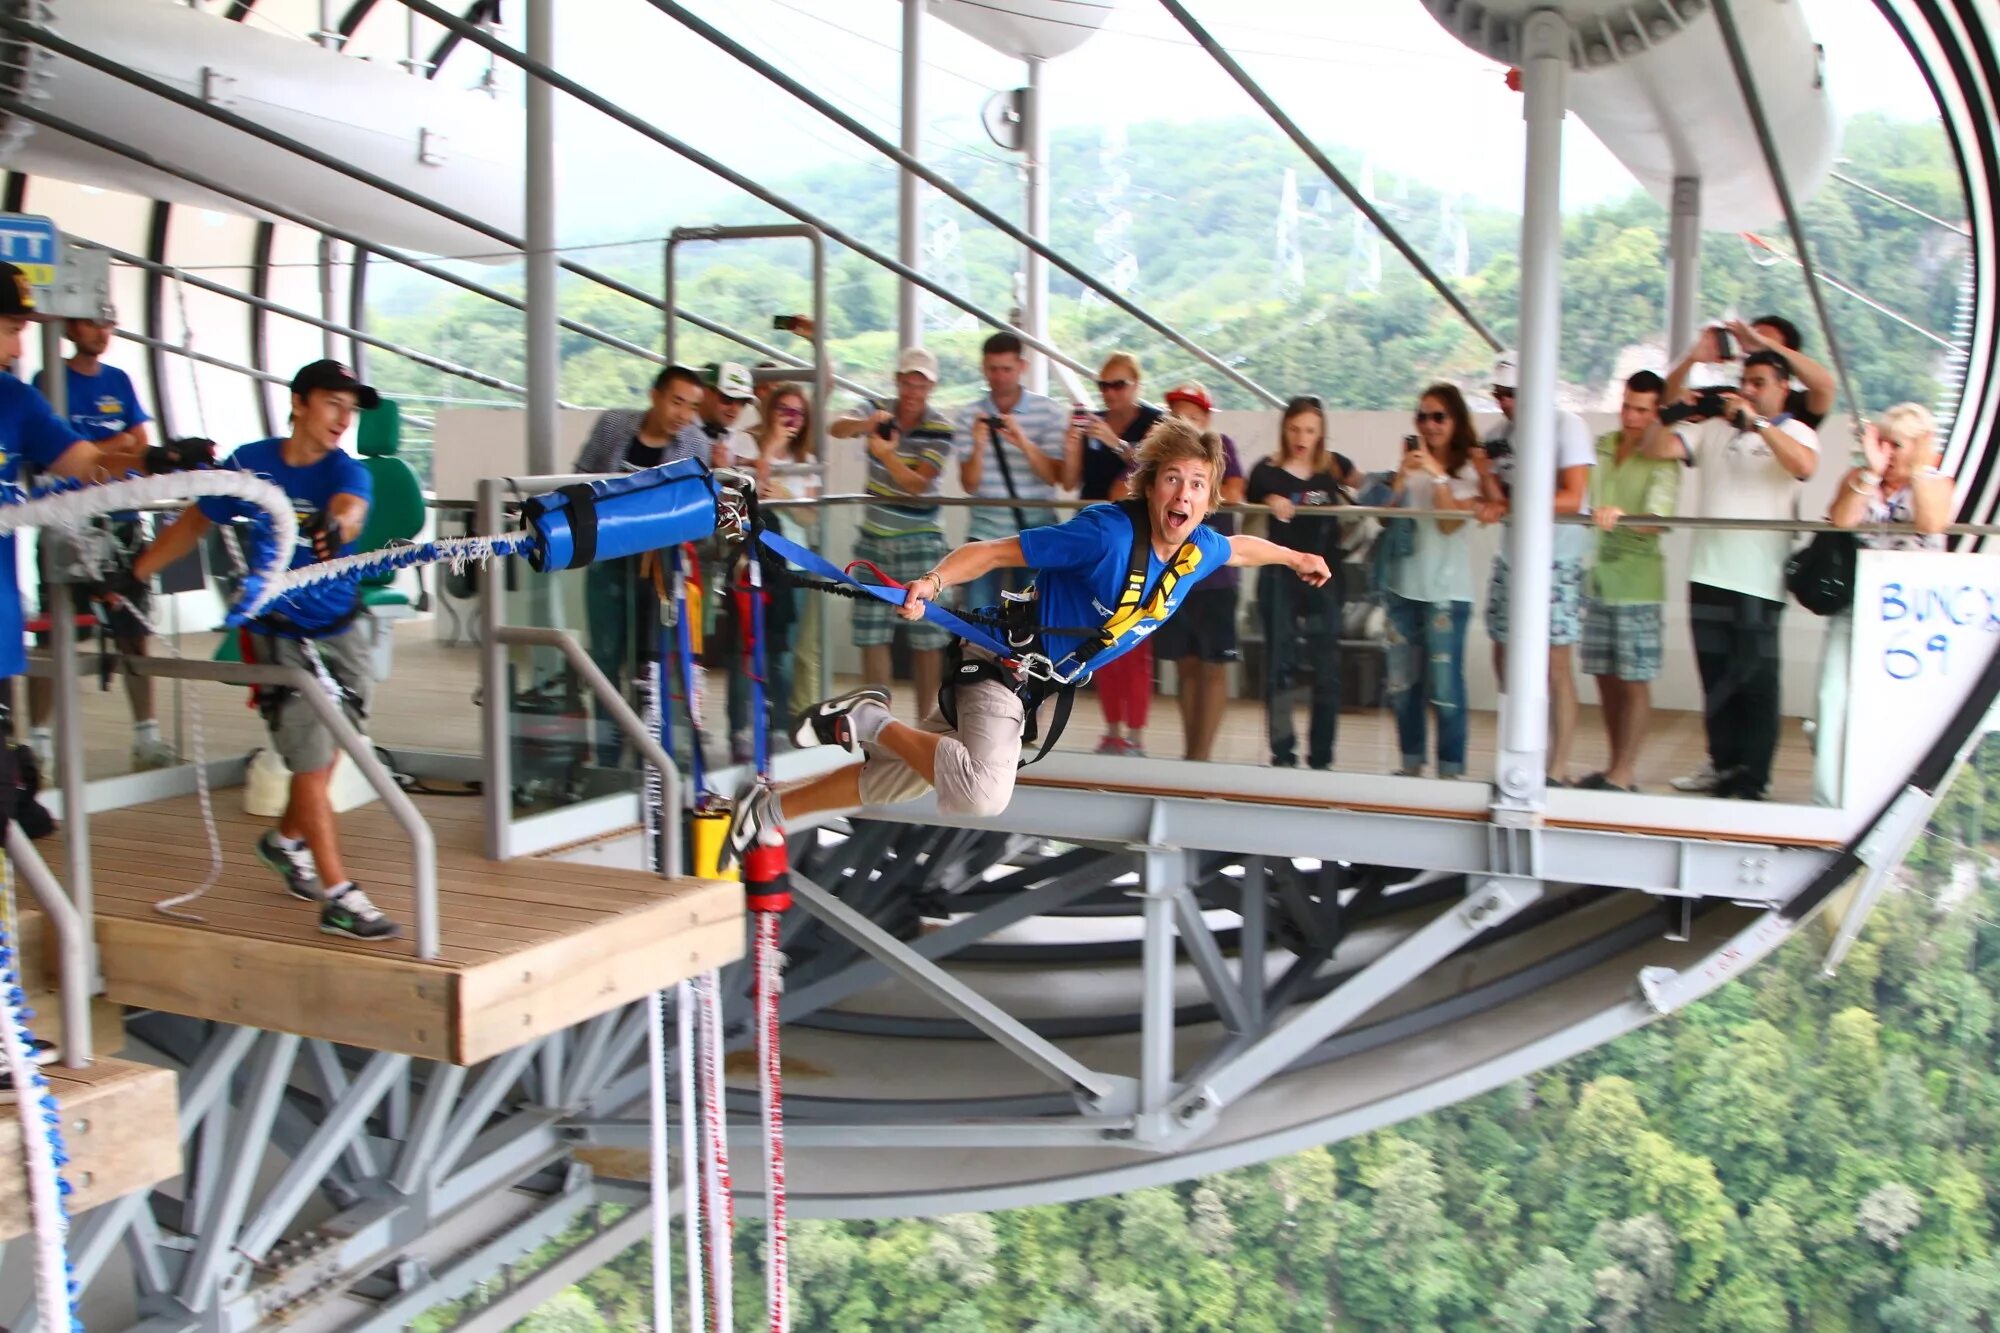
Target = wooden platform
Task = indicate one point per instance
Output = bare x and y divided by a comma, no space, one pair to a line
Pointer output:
120,1126
528,947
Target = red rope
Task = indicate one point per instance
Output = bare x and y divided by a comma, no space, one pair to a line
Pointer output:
770,966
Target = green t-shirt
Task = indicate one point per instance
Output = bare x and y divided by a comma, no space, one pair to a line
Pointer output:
1630,567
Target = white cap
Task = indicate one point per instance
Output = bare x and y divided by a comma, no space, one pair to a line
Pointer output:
733,381
918,360
1506,370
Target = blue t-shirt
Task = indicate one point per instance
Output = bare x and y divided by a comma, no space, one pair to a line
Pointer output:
101,405
320,607
31,433
1082,566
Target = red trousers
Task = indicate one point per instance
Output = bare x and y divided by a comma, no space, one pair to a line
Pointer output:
1125,687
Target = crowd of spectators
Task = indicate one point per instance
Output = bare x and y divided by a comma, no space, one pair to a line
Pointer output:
1683,446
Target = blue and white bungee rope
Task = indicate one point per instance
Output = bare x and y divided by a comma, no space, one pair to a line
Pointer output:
41,1146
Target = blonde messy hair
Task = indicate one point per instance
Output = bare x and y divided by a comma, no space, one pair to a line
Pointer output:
1912,423
1172,440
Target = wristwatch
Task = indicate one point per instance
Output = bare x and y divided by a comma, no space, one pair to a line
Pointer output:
1760,423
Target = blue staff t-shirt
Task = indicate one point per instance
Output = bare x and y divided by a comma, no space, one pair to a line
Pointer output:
100,405
1082,566
30,433
318,608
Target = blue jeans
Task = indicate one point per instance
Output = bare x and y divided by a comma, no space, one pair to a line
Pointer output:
1427,668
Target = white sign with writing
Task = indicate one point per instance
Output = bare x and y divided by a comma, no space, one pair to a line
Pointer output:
1926,623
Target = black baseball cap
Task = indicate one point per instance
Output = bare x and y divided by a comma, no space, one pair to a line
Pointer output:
17,298
333,375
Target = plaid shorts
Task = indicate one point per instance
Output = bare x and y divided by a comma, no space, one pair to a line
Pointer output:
1565,602
902,559
1622,639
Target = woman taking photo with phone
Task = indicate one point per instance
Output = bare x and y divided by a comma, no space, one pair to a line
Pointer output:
1427,581
1301,622
1103,445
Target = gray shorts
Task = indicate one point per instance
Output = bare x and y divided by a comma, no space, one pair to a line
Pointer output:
975,764
297,734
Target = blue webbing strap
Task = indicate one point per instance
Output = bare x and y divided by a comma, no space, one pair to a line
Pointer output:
814,563
684,636
760,729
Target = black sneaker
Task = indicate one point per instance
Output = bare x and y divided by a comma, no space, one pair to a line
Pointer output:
753,811
350,913
300,874
827,722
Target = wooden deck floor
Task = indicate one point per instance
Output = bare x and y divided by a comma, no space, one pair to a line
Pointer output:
528,947
120,1126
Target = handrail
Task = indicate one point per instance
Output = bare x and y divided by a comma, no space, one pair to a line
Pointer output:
620,712
74,981
423,844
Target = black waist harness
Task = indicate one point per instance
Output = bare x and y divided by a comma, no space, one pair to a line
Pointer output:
1021,623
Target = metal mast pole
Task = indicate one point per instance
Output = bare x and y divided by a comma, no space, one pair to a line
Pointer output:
909,200
1524,719
1035,143
540,247
1683,265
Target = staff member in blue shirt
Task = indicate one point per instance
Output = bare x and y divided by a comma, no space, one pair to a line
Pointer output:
104,408
1082,570
311,628
32,434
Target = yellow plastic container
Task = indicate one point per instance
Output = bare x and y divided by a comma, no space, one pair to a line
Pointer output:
710,828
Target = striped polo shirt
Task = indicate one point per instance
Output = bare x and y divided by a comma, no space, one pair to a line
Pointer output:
1045,422
929,442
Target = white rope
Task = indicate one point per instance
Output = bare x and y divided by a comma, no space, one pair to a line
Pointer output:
770,968
659,1187
71,505
691,1169
458,552
42,1146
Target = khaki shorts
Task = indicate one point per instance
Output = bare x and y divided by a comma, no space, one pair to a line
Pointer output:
297,734
975,764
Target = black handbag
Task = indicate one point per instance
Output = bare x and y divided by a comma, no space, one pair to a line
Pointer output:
1820,574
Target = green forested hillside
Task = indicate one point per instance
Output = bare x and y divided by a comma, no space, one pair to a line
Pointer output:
1794,1153
1203,200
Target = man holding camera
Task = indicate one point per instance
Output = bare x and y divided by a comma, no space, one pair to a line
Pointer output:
901,536
1723,343
1010,448
1749,456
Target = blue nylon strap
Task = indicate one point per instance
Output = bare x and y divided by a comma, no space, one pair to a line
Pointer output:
814,563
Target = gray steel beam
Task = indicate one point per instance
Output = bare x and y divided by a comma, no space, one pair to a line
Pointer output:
31,112
910,211
1251,939
1522,764
329,326
1052,896
1774,166
222,1214
333,1079
909,190
1202,950
1493,903
531,1294
597,102
496,1078
1683,264
934,981
538,258
339,1127
1312,150
433,1113
1165,872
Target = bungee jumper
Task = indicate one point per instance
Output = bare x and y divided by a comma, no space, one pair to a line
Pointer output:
1124,567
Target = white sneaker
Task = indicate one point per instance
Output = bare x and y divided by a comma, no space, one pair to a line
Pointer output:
152,754
1702,779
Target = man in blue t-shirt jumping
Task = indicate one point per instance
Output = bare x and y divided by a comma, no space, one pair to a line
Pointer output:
313,628
1084,568
103,407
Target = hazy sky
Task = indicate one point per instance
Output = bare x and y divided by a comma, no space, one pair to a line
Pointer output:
1374,74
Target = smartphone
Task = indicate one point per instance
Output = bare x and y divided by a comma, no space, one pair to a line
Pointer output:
1411,444
786,323
1725,346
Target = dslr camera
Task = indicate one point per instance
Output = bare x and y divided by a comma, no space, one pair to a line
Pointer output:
1711,403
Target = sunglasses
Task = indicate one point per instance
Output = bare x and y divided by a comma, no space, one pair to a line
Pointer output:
1433,418
1106,386
1499,392
794,413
